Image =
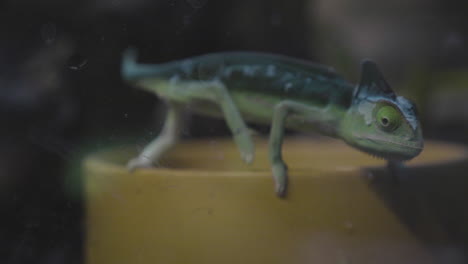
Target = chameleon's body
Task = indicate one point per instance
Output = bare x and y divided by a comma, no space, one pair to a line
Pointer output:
283,92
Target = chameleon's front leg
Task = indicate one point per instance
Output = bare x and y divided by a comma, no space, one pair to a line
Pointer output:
278,167
281,112
165,140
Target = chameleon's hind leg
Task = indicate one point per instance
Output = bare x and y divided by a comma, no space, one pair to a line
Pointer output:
216,92
281,112
165,140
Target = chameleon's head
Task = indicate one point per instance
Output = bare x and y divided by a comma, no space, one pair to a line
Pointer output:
379,122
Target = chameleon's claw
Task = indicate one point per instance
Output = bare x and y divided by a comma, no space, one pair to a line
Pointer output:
137,163
281,179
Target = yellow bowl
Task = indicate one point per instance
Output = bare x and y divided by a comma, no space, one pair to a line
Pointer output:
205,206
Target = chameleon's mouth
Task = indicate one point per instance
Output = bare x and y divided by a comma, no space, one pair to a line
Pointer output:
387,149
419,145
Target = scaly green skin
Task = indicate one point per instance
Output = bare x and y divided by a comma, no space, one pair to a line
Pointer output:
281,91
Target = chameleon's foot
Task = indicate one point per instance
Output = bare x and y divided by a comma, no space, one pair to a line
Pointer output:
280,175
247,157
246,146
139,162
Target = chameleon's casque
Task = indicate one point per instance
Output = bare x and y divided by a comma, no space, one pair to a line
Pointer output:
282,92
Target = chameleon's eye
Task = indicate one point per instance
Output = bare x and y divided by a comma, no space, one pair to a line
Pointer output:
388,118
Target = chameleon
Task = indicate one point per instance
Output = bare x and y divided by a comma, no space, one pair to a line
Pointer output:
284,93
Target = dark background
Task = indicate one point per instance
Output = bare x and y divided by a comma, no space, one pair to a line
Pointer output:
61,94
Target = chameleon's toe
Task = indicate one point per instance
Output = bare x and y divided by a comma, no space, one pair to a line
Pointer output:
281,179
137,163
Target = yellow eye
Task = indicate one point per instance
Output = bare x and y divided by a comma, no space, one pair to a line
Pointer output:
388,118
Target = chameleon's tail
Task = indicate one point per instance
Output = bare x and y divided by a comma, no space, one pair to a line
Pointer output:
131,70
129,65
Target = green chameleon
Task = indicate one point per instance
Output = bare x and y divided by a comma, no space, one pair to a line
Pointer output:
282,92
